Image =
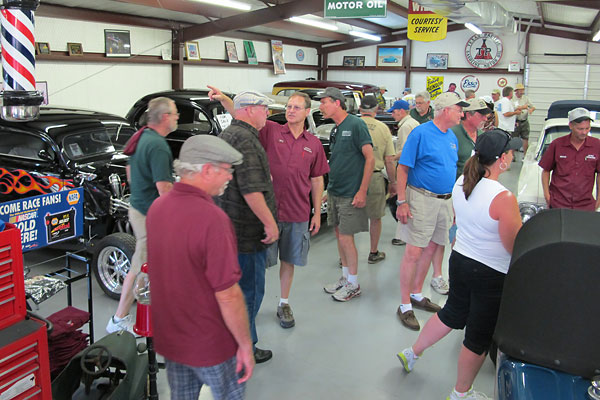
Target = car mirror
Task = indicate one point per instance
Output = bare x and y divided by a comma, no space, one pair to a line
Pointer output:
45,155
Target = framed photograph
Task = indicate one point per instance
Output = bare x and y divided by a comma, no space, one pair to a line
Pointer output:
75,49
192,51
250,52
42,87
390,56
437,61
42,48
232,55
349,61
360,61
117,43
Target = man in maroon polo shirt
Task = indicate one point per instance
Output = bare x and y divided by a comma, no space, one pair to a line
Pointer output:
199,316
298,163
574,161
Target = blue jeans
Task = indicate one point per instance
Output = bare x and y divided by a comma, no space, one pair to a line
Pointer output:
253,284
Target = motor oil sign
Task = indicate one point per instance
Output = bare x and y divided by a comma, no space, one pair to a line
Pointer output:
425,26
46,219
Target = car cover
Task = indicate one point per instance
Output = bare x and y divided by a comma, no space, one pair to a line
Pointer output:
551,302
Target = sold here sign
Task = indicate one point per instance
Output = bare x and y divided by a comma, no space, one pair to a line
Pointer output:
425,26
355,8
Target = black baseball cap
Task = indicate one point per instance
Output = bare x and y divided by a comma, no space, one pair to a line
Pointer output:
369,102
492,144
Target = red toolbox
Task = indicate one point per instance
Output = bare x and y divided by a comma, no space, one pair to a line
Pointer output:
12,288
24,367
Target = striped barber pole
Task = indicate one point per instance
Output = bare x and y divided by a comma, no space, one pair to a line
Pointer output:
18,50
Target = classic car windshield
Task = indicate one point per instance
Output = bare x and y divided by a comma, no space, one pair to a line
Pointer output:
100,142
555,132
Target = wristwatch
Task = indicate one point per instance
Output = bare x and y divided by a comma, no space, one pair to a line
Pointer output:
400,202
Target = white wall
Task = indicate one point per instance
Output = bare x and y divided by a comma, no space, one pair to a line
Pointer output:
454,45
114,87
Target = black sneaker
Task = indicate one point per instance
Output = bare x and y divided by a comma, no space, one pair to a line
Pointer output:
261,356
286,316
376,257
398,242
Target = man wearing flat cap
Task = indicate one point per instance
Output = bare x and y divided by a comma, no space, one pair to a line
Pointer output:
249,201
574,162
425,175
351,165
199,318
383,153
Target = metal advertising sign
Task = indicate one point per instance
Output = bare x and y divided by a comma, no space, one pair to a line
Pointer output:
46,219
435,86
469,82
425,26
484,51
355,8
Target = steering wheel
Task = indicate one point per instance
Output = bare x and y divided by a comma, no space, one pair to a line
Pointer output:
93,356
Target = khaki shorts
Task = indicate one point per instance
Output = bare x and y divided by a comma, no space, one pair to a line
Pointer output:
140,256
521,129
376,196
431,220
348,219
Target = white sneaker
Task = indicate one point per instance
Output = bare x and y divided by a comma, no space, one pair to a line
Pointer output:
347,292
334,287
407,358
471,395
440,285
125,324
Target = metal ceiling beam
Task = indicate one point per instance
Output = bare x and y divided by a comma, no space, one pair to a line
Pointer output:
253,18
557,33
397,9
386,39
594,26
361,23
85,14
267,38
309,30
541,12
593,4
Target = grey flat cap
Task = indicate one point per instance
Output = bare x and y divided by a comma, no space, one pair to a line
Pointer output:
250,98
202,149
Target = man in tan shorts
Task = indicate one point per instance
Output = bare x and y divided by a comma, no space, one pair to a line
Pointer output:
383,152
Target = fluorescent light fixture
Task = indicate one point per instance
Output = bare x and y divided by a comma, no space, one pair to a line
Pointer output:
238,5
365,35
315,23
473,28
596,36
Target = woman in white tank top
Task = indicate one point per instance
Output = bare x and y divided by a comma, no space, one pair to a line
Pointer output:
488,219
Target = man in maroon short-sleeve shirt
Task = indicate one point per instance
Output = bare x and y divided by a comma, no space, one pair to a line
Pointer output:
199,316
574,161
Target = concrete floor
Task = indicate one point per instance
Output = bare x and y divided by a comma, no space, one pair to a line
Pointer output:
336,350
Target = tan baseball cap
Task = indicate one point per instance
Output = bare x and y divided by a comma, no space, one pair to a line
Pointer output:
479,105
519,86
448,99
497,91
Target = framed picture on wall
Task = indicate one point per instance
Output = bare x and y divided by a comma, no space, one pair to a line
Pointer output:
349,61
250,52
192,51
360,61
232,54
390,56
42,48
117,43
75,49
437,61
42,87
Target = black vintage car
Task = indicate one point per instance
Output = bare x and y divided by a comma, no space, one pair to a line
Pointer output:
67,148
197,114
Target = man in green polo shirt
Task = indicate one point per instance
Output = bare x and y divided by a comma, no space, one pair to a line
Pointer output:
422,111
469,128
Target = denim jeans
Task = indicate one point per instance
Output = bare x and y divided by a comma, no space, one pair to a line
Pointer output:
253,284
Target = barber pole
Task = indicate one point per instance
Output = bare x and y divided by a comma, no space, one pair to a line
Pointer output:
20,100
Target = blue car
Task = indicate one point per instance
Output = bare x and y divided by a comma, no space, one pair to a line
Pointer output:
390,59
547,329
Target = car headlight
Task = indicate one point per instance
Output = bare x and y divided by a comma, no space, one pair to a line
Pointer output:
528,210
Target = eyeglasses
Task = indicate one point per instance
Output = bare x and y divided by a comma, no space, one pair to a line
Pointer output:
229,170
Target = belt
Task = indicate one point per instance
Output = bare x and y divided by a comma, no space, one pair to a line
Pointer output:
426,192
377,170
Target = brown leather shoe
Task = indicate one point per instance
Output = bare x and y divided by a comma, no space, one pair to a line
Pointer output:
425,304
408,319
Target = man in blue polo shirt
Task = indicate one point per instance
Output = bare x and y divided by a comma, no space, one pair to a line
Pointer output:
425,175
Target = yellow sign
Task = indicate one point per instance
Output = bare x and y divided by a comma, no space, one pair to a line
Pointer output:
425,26
435,85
